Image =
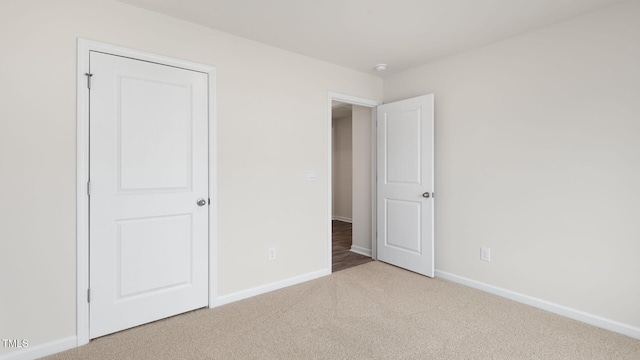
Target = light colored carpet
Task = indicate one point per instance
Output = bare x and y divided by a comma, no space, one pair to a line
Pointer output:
373,311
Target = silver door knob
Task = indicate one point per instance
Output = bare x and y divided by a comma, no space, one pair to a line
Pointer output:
426,195
201,202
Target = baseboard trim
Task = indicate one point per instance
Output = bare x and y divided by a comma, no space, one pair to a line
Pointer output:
361,250
343,219
245,294
42,350
598,321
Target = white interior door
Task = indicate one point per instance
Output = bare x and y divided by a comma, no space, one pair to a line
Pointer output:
148,168
405,184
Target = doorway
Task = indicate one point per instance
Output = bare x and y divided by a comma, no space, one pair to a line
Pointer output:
402,153
351,185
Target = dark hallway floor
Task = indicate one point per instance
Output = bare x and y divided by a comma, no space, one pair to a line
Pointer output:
343,257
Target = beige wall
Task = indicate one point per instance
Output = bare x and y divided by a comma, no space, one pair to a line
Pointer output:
342,164
538,158
361,125
272,124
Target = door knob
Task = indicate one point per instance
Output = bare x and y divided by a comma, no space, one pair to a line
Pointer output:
201,202
426,195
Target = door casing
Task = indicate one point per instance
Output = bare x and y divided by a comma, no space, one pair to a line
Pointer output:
82,165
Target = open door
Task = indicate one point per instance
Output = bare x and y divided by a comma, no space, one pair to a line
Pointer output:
405,184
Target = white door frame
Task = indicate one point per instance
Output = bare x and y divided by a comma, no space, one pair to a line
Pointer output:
82,172
354,100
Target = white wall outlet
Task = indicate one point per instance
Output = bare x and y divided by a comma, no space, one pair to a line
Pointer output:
485,254
311,175
272,253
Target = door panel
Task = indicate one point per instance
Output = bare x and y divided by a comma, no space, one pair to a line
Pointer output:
163,245
405,173
403,218
403,147
148,167
163,159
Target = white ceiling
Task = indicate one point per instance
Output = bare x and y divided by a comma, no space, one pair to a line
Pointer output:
359,34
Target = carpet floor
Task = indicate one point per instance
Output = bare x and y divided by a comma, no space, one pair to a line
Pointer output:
372,311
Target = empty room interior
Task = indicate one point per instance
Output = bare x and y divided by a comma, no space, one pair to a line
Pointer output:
189,164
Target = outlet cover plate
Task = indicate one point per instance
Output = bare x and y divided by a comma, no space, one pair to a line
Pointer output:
485,254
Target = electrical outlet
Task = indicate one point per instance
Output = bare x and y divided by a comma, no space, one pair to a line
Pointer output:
272,253
311,175
485,254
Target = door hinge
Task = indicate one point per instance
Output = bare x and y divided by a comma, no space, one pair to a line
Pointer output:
88,295
89,80
89,188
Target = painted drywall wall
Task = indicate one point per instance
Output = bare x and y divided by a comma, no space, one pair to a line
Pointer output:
342,163
361,140
538,158
272,127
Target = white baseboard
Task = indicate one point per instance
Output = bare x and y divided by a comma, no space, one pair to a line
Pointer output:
601,322
343,219
42,350
245,294
361,250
